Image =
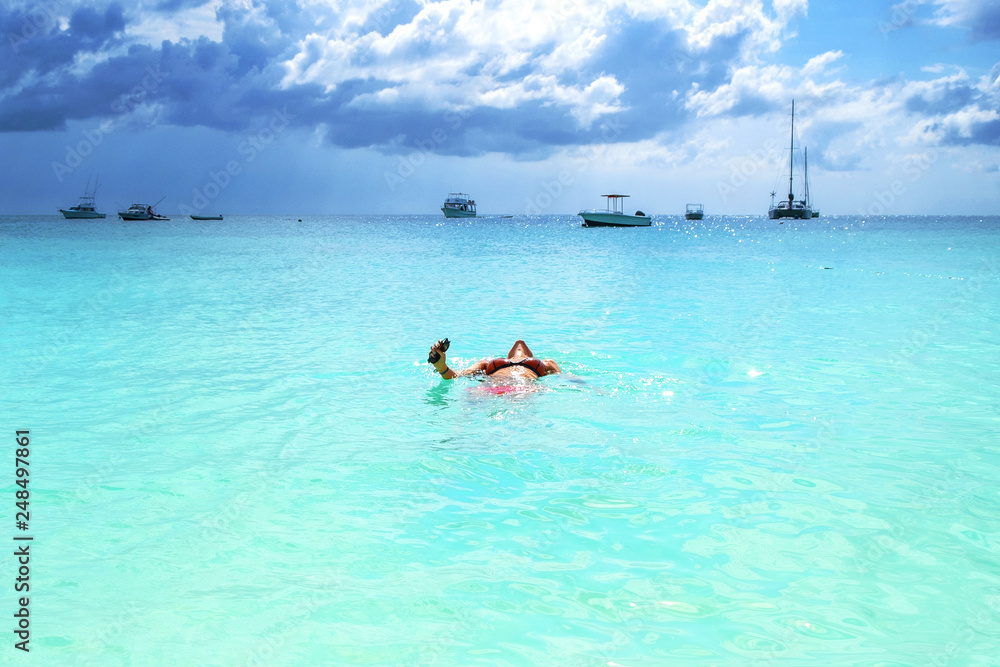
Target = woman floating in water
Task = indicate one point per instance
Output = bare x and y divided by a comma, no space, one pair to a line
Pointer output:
519,366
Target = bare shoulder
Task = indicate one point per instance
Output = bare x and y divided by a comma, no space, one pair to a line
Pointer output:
551,366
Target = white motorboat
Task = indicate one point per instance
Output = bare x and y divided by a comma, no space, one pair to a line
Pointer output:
85,208
141,212
613,215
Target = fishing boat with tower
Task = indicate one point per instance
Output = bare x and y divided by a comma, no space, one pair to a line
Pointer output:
85,209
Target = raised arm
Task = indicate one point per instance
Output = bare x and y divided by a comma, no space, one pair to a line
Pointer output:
438,351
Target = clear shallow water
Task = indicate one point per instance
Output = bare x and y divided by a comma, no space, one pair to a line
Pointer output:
778,444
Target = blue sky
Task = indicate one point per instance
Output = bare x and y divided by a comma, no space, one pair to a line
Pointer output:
534,106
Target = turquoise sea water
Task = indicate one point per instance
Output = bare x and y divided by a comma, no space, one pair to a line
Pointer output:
775,444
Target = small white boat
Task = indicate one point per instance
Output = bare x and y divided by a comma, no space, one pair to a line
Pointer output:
141,212
458,205
694,212
85,208
613,215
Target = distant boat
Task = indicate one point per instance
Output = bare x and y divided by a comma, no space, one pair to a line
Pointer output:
141,212
206,217
613,216
792,208
85,208
694,212
458,205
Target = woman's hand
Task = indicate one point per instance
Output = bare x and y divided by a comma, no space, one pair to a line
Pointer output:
437,357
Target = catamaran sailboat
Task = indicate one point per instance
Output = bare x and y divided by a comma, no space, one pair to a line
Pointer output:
793,208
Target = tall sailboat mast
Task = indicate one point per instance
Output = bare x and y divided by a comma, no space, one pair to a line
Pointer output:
791,208
791,158
805,164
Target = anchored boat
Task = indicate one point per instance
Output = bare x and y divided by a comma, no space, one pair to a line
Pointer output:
141,212
613,215
458,205
793,208
85,208
694,212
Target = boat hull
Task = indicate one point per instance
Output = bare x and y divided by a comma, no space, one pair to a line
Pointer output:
606,219
456,213
795,213
206,217
135,217
694,212
141,212
81,215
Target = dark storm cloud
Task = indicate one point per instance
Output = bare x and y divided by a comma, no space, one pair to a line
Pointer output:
33,42
198,82
227,84
231,84
653,64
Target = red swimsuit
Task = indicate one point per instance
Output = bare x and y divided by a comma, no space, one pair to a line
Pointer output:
536,366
